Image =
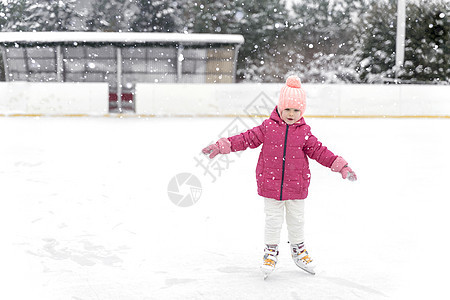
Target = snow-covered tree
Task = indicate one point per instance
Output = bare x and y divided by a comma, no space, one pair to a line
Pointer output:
50,15
45,15
151,15
426,43
110,15
377,34
427,49
329,68
3,16
264,54
208,16
324,33
12,13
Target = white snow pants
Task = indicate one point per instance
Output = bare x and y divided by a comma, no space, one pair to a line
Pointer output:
274,210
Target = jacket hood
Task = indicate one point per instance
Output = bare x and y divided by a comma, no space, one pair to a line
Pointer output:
277,118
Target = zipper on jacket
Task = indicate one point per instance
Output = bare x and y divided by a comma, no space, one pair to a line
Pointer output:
284,162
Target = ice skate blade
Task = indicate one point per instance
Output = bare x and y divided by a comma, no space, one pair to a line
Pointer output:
309,271
266,272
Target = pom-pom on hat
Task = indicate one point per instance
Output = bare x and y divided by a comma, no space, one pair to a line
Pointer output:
292,95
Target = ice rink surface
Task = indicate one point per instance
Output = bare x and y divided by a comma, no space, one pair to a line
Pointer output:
85,213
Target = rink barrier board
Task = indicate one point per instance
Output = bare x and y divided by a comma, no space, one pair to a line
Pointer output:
347,100
225,100
53,98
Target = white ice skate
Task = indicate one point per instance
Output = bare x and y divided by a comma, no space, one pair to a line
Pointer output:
302,259
270,260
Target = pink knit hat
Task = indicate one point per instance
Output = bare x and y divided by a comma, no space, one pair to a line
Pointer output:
292,95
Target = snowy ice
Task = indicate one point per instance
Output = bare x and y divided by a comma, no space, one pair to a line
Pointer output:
85,213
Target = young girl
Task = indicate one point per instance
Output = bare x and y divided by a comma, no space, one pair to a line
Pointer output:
282,172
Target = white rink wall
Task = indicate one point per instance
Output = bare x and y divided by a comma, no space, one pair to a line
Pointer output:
378,100
346,100
322,99
43,98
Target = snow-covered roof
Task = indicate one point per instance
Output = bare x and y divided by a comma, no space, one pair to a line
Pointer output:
119,37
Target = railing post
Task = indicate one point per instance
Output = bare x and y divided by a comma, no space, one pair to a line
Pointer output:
5,64
236,53
180,59
119,79
59,65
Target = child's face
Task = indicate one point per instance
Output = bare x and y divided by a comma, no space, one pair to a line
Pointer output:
291,115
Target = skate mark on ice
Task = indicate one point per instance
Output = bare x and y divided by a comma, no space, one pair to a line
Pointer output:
36,220
35,180
27,164
81,252
234,270
175,281
353,285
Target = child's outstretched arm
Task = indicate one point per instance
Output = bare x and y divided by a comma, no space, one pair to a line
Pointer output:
315,150
252,138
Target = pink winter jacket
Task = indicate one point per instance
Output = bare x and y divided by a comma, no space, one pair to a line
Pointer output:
282,171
